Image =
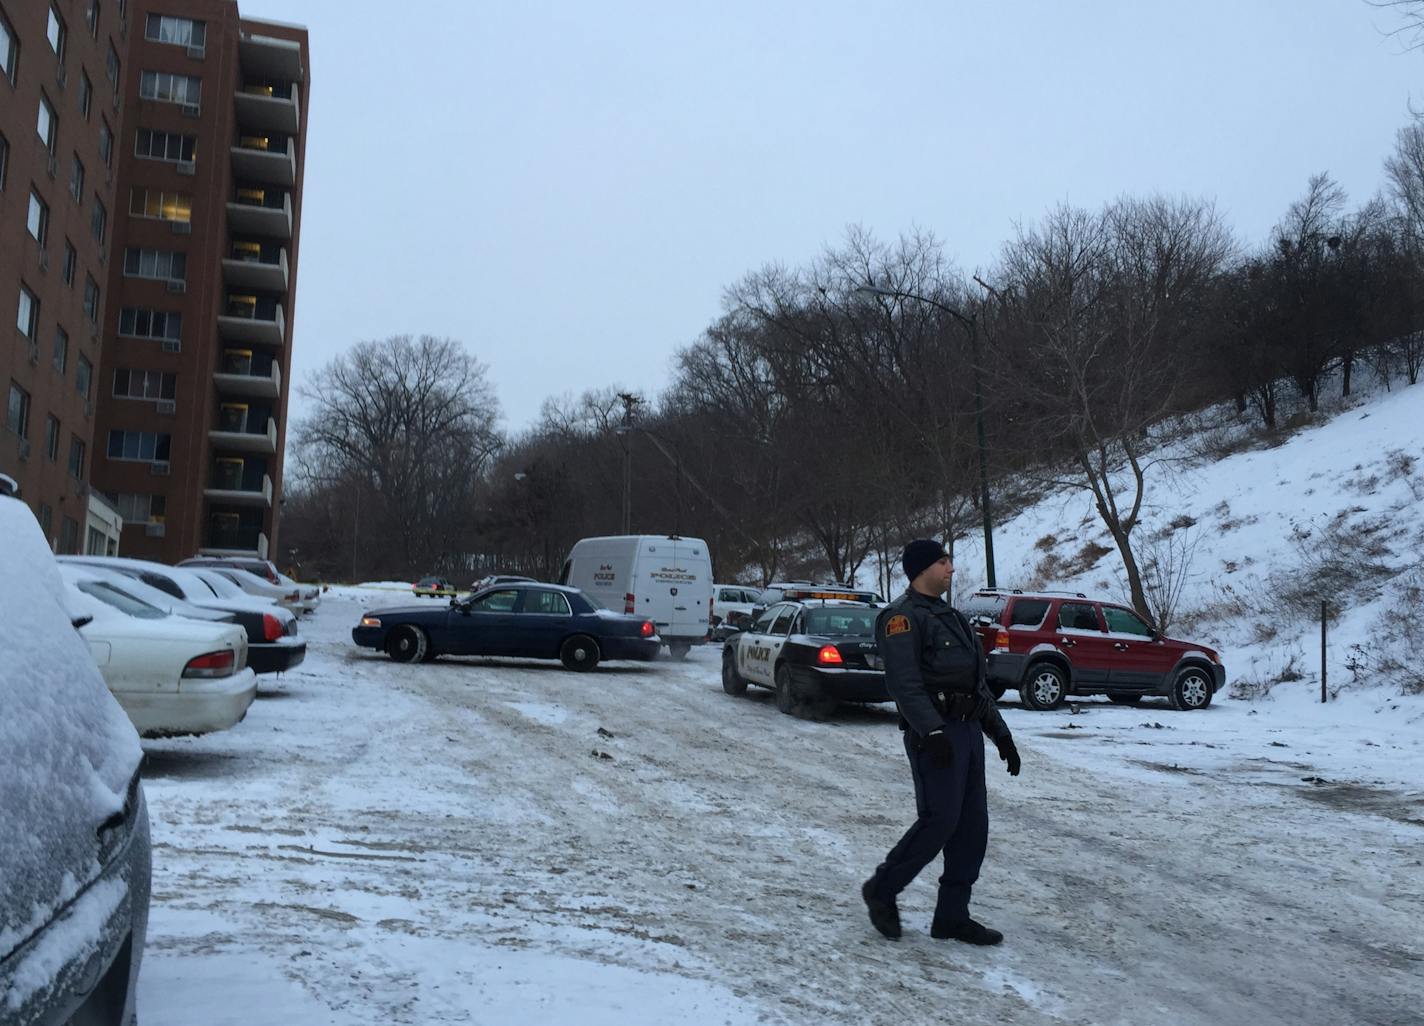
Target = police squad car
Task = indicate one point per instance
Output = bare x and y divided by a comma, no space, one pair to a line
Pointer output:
814,648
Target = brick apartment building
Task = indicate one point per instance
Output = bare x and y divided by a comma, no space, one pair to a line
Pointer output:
193,269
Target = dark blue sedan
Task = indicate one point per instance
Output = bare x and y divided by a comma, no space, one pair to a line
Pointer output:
540,621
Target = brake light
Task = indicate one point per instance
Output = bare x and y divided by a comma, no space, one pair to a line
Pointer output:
829,656
214,664
271,627
647,629
1001,639
293,597
630,604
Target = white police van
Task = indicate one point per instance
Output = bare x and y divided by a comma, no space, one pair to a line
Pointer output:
666,578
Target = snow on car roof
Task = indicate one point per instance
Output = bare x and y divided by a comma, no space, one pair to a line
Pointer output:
69,748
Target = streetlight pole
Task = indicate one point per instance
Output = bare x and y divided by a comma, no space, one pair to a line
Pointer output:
971,325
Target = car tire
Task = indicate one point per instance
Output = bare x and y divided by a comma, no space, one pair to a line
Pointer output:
579,652
785,692
1125,699
679,649
408,644
1191,690
732,682
1044,687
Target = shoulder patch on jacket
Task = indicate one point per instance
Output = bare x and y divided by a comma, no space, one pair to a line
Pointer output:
897,624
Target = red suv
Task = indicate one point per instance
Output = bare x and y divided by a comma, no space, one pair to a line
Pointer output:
1049,645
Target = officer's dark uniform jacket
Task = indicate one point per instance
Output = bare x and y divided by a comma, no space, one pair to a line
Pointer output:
934,665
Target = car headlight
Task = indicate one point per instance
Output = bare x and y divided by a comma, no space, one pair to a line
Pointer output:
370,621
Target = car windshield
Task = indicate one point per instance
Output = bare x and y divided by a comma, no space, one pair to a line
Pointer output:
839,623
112,596
220,584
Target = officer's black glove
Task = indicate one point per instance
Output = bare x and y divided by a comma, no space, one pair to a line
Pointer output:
940,751
1009,754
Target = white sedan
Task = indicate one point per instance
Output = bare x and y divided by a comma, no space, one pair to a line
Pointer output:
170,674
287,596
310,593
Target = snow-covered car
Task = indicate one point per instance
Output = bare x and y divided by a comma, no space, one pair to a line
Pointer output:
170,674
272,642
731,608
74,845
259,587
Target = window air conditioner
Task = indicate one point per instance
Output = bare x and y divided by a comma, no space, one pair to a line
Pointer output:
52,166
159,468
172,345
24,449
88,407
182,227
197,52
44,260
190,110
34,354
167,406
177,285
154,530
61,76
186,167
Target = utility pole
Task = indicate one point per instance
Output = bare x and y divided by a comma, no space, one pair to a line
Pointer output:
630,403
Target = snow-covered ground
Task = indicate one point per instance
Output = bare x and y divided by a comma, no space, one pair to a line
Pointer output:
501,841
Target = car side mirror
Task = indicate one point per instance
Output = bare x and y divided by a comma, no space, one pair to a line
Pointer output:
81,621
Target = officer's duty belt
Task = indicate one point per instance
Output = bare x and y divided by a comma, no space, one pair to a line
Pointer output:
954,705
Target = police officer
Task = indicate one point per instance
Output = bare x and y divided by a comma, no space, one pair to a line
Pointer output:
935,672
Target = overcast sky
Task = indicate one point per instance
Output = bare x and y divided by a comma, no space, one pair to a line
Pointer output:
567,187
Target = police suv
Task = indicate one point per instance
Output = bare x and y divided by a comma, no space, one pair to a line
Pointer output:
814,648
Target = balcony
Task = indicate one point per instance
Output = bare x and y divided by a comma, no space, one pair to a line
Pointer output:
270,58
230,491
250,272
268,219
235,541
242,438
238,376
253,326
265,109
276,166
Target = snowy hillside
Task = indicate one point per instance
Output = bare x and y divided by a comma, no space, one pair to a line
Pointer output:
1334,512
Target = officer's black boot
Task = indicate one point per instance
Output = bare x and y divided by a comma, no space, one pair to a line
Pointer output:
966,930
884,915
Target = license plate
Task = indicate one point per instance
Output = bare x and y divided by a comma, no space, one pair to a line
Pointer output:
874,662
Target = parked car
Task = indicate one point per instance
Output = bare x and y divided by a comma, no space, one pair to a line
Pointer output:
145,592
310,594
75,853
802,591
289,598
812,654
731,608
540,621
666,578
1049,645
272,642
171,675
490,580
433,587
263,568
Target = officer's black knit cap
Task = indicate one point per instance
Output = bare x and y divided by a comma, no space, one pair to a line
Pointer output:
919,555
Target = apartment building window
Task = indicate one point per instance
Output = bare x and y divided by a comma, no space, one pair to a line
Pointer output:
136,508
17,411
4,159
111,69
46,518
76,456
52,438
91,299
144,384
167,87
46,124
91,18
140,322
61,349
163,145
76,179
83,376
9,51
162,264
99,220
145,446
163,28
106,143
71,260
27,317
164,206
37,220
55,32
86,94
68,536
